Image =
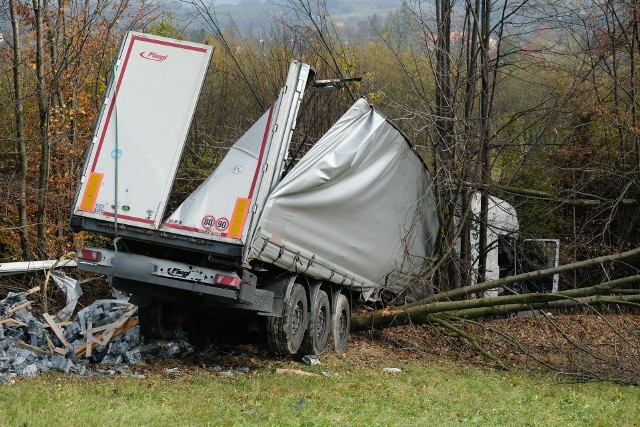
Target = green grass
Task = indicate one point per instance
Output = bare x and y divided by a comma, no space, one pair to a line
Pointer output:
422,395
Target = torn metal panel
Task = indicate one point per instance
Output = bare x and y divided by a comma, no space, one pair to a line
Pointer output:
72,290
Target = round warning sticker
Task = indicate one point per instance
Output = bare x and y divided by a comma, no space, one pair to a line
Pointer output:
222,224
208,221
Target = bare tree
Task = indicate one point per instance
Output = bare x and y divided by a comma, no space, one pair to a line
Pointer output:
22,160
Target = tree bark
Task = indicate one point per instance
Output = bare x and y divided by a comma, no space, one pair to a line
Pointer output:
484,306
22,160
475,313
485,108
43,125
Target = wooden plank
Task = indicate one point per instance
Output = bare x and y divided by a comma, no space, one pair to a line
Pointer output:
33,290
123,307
128,324
108,334
295,372
18,308
89,337
56,330
60,351
13,322
49,343
103,327
60,324
35,350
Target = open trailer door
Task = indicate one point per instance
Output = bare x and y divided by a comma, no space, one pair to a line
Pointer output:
141,130
225,206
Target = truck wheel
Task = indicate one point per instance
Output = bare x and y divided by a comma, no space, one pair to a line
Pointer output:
285,333
341,324
153,321
317,334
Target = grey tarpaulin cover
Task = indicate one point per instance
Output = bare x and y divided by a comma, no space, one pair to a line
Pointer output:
358,208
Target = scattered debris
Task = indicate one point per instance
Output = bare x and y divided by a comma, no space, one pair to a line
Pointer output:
392,371
214,368
330,374
296,372
71,288
123,370
301,402
105,332
7,379
311,359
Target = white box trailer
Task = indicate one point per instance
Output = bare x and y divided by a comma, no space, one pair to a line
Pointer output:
507,252
353,218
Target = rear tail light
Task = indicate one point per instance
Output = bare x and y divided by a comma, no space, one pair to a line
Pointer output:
90,255
224,280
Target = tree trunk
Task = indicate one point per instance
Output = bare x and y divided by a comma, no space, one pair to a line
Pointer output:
475,313
483,306
43,125
22,159
485,168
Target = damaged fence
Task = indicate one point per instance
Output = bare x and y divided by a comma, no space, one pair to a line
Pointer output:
106,332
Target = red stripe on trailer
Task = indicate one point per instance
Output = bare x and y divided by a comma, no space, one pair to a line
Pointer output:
264,144
171,44
115,95
182,227
129,218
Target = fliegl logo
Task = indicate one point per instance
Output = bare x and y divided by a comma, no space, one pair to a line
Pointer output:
153,56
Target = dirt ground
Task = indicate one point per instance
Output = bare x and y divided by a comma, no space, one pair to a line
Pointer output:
579,347
582,347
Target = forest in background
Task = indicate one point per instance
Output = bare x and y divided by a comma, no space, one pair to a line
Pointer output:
534,102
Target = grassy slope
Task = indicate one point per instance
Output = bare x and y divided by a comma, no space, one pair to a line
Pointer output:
423,394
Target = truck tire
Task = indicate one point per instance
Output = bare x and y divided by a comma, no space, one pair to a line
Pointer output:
341,323
153,321
317,334
285,334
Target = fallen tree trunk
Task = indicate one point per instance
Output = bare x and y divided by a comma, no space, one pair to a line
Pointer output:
505,281
512,308
548,196
485,306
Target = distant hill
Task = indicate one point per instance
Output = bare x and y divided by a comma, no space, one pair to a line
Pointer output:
252,15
